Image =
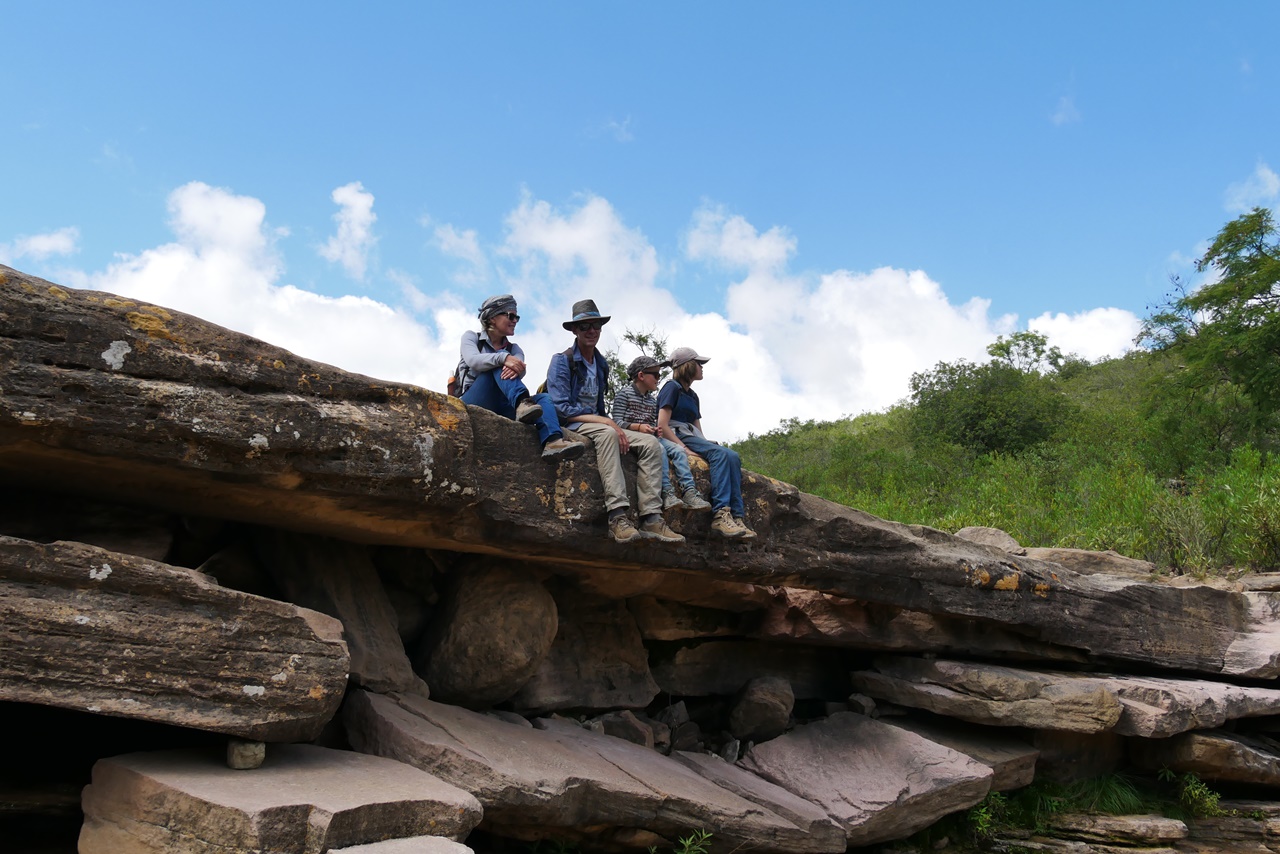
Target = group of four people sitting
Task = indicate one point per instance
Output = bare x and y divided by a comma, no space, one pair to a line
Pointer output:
660,432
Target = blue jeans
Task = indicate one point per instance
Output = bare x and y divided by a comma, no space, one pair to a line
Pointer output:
490,391
679,461
726,474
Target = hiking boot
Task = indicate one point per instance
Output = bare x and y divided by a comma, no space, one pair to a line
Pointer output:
657,529
562,450
670,499
723,523
747,533
528,411
622,531
694,501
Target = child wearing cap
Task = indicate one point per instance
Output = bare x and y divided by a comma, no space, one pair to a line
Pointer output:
636,408
680,420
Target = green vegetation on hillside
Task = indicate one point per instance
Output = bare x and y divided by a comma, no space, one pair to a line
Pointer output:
1166,454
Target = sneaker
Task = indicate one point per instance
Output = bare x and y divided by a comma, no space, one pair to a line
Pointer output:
747,533
562,450
657,529
723,524
670,499
527,411
693,501
622,531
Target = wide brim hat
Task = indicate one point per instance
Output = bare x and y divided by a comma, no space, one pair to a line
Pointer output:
683,355
585,309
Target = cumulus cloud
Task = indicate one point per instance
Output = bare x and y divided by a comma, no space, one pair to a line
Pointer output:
37,247
1261,189
353,242
465,246
224,267
1093,334
1066,112
783,344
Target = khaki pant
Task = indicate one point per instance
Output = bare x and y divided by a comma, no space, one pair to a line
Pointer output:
649,462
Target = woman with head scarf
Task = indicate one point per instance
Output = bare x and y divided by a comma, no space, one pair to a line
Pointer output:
491,375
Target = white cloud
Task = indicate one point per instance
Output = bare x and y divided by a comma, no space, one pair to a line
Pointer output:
351,246
465,246
1066,112
1261,189
1093,334
37,247
224,268
783,345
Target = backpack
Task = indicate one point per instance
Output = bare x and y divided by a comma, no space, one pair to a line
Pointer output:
462,377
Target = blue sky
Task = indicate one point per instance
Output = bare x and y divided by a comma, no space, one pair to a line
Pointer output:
823,197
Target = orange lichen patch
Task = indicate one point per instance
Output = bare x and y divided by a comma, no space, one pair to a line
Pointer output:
1009,582
278,365
449,412
583,486
981,578
150,324
542,496
1041,590
317,692
58,293
112,302
159,312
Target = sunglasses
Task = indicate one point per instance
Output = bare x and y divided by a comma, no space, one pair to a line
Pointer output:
509,315
655,374
590,325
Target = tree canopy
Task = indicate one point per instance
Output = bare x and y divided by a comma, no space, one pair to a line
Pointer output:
1229,328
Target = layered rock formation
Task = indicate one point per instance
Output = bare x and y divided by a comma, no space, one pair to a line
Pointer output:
203,531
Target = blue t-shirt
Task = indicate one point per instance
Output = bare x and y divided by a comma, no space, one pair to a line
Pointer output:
682,402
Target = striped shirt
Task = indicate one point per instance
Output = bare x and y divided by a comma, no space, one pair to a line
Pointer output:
631,407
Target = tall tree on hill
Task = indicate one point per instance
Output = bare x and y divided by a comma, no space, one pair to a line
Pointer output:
1228,330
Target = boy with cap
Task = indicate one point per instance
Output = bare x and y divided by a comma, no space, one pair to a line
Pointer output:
576,383
636,408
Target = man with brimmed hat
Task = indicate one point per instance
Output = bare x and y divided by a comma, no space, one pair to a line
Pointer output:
636,408
490,375
576,383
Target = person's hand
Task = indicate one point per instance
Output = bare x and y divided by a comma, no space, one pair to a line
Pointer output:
623,445
513,368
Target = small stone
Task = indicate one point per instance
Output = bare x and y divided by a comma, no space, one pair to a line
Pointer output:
245,755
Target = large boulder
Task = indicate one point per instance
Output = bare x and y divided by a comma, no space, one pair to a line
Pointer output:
121,635
493,631
762,709
879,782
301,800
1216,755
597,660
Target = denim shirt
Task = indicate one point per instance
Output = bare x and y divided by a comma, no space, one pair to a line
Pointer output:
565,380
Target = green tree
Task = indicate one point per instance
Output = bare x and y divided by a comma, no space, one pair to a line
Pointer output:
1011,403
1228,330
650,343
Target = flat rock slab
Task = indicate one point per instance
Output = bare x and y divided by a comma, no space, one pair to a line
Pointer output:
990,694
1119,829
565,780
1218,756
116,398
1011,760
1150,707
415,845
879,782
302,800
114,634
